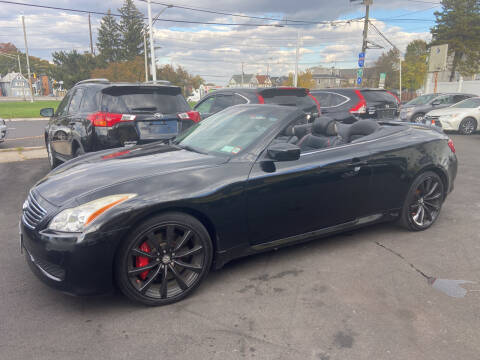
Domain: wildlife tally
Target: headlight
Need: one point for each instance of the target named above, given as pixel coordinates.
(449, 116)
(76, 219)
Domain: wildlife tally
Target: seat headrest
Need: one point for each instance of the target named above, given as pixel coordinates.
(363, 127)
(324, 125)
(288, 131)
(301, 130)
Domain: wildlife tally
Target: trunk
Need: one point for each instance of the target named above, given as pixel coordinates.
(456, 59)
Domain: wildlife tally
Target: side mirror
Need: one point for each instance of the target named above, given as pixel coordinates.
(47, 112)
(284, 152)
(436, 102)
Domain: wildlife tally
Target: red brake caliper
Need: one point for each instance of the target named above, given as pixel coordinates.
(143, 260)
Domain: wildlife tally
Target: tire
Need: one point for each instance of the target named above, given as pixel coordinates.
(467, 126)
(78, 152)
(423, 202)
(175, 254)
(418, 118)
(52, 159)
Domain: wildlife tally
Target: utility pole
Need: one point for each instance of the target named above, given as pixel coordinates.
(400, 75)
(28, 61)
(295, 79)
(20, 70)
(152, 46)
(145, 53)
(367, 4)
(90, 29)
(242, 74)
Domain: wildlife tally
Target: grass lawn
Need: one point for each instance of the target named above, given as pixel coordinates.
(24, 109)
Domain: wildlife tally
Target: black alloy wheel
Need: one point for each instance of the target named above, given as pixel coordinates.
(424, 202)
(467, 126)
(164, 259)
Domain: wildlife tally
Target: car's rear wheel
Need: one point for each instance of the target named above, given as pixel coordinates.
(418, 118)
(164, 259)
(423, 202)
(52, 159)
(467, 126)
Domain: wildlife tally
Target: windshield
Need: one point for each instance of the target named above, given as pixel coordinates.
(467, 104)
(422, 100)
(232, 130)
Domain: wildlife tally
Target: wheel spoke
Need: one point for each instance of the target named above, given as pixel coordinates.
(139, 252)
(417, 214)
(182, 241)
(163, 287)
(146, 285)
(431, 189)
(195, 250)
(422, 215)
(139, 270)
(428, 213)
(432, 205)
(433, 196)
(193, 267)
(178, 278)
(170, 234)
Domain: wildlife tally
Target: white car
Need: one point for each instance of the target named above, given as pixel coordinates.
(463, 116)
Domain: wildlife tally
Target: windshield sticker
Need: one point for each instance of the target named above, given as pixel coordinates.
(236, 150)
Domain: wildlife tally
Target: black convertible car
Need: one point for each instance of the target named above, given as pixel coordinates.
(155, 218)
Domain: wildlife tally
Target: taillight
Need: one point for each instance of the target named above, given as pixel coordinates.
(361, 107)
(261, 100)
(115, 154)
(190, 115)
(316, 102)
(451, 146)
(105, 119)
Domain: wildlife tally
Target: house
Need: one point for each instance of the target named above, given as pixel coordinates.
(15, 85)
(264, 81)
(332, 77)
(278, 80)
(245, 80)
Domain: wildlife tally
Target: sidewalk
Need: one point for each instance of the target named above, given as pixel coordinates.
(21, 154)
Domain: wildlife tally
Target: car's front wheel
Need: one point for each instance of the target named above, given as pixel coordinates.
(467, 126)
(164, 259)
(423, 202)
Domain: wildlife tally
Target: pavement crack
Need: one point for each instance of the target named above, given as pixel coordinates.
(429, 278)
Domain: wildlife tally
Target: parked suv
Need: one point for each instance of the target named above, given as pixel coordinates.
(415, 110)
(223, 98)
(97, 114)
(346, 105)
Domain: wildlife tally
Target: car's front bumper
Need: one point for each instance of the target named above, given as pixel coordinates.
(73, 263)
(449, 125)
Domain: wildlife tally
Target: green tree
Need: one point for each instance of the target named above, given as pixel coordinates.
(387, 63)
(109, 39)
(304, 80)
(37, 65)
(72, 67)
(414, 67)
(458, 25)
(131, 25)
(130, 71)
(180, 77)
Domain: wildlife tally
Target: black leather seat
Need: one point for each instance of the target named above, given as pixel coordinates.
(324, 134)
(359, 129)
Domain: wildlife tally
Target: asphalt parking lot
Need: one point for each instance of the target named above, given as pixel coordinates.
(378, 293)
(24, 133)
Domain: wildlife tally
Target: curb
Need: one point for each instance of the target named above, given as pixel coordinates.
(22, 149)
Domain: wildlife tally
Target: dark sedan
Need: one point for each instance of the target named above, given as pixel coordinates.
(156, 218)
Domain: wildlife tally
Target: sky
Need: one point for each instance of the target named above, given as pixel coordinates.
(217, 51)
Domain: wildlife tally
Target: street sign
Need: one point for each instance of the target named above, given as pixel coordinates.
(438, 58)
(360, 73)
(359, 80)
(361, 55)
(361, 63)
(381, 82)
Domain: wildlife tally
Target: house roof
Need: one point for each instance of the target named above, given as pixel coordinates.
(10, 76)
(262, 79)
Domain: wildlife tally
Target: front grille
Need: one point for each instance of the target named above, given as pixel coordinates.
(433, 120)
(33, 212)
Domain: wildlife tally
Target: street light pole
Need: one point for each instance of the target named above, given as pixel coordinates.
(295, 80)
(152, 46)
(28, 61)
(145, 53)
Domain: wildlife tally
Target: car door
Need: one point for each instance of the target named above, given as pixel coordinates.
(205, 107)
(67, 124)
(323, 189)
(56, 130)
(442, 102)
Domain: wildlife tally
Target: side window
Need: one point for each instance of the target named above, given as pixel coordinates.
(238, 99)
(458, 98)
(75, 102)
(330, 99)
(222, 102)
(62, 107)
(205, 107)
(444, 100)
(90, 101)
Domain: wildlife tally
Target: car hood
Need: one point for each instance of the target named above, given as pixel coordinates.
(447, 111)
(104, 169)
